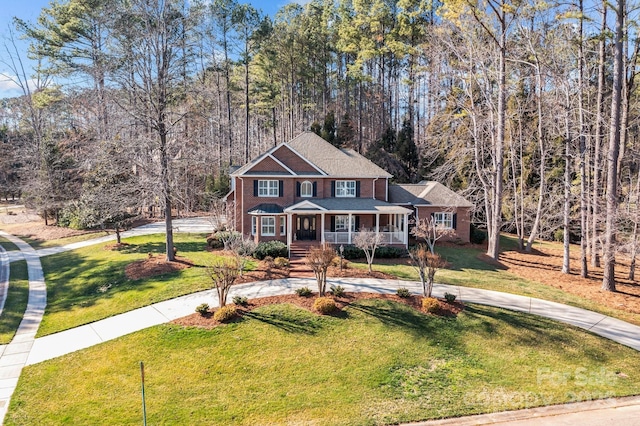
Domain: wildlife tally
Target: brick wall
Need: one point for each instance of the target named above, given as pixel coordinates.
(463, 221)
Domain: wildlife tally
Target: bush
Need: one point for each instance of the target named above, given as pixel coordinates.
(203, 309)
(226, 313)
(337, 290)
(430, 304)
(450, 298)
(240, 300)
(558, 235)
(304, 292)
(269, 261)
(271, 248)
(403, 292)
(382, 252)
(325, 305)
(281, 262)
(477, 236)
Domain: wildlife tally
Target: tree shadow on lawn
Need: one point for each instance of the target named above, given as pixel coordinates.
(530, 330)
(292, 322)
(104, 279)
(158, 247)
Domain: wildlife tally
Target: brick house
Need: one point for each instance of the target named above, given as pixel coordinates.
(308, 190)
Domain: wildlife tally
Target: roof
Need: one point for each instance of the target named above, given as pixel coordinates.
(334, 161)
(426, 193)
(347, 205)
(322, 155)
(266, 208)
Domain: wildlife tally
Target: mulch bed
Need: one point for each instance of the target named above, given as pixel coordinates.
(196, 320)
(155, 265)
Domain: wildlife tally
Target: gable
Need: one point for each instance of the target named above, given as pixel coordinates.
(294, 161)
(267, 165)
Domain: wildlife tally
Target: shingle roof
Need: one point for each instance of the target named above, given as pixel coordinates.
(361, 205)
(266, 208)
(426, 192)
(334, 161)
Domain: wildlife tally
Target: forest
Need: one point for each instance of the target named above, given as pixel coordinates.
(527, 108)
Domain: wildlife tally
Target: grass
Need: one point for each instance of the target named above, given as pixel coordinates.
(467, 270)
(90, 284)
(8, 245)
(378, 362)
(16, 302)
(40, 244)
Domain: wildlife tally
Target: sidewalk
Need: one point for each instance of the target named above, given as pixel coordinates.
(14, 355)
(59, 344)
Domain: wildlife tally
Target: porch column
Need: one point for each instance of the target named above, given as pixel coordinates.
(405, 230)
(350, 219)
(289, 229)
(377, 223)
(322, 228)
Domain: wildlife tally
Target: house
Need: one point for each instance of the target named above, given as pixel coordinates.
(308, 190)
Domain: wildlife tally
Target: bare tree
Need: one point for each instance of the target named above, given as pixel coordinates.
(319, 259)
(427, 264)
(430, 231)
(368, 241)
(242, 248)
(223, 274)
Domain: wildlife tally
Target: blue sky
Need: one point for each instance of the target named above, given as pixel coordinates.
(29, 10)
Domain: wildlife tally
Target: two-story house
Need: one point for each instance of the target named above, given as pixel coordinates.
(307, 189)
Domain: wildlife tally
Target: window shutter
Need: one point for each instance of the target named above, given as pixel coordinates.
(357, 223)
(315, 189)
(357, 188)
(333, 188)
(281, 188)
(297, 189)
(333, 224)
(255, 188)
(455, 221)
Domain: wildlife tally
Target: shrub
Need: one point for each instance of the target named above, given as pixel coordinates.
(558, 235)
(226, 313)
(269, 261)
(382, 252)
(304, 292)
(337, 290)
(450, 298)
(281, 262)
(430, 304)
(240, 300)
(213, 241)
(325, 305)
(477, 236)
(202, 309)
(403, 292)
(271, 248)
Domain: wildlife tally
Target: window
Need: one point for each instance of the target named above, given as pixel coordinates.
(254, 225)
(306, 189)
(268, 188)
(283, 222)
(443, 220)
(342, 224)
(345, 188)
(268, 226)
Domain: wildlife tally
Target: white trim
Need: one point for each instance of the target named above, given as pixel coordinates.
(241, 207)
(302, 205)
(269, 188)
(346, 189)
(282, 164)
(322, 218)
(262, 225)
(307, 161)
(310, 195)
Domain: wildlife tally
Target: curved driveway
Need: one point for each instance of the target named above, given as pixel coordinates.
(26, 350)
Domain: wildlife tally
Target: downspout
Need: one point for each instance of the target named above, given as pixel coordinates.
(242, 208)
(374, 188)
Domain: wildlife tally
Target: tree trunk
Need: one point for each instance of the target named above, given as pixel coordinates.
(608, 280)
(566, 258)
(584, 272)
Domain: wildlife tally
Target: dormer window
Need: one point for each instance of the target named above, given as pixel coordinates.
(345, 188)
(306, 189)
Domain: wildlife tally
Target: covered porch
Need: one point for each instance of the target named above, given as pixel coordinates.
(337, 221)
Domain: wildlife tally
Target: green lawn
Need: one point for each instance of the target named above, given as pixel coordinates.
(16, 302)
(467, 270)
(8, 245)
(39, 244)
(90, 284)
(378, 362)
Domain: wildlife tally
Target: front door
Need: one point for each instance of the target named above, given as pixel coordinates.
(306, 227)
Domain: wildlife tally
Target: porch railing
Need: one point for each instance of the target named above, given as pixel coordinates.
(343, 237)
